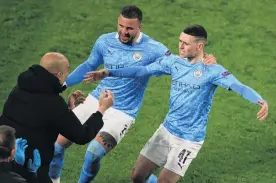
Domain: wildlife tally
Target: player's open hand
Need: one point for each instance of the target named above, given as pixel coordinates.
(75, 98)
(209, 59)
(95, 75)
(106, 100)
(262, 114)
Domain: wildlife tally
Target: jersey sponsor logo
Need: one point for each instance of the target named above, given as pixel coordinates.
(113, 66)
(168, 53)
(226, 73)
(186, 87)
(137, 56)
(198, 73)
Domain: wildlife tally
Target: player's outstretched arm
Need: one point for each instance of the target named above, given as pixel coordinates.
(78, 74)
(94, 60)
(130, 72)
(160, 67)
(225, 79)
(251, 95)
(95, 75)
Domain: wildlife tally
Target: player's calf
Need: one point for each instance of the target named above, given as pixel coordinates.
(91, 166)
(97, 149)
(57, 162)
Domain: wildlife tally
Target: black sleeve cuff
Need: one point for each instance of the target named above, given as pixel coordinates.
(99, 114)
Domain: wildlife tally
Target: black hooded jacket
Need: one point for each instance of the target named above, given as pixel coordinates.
(8, 176)
(38, 113)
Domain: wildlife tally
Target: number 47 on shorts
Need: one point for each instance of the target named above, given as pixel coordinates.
(182, 157)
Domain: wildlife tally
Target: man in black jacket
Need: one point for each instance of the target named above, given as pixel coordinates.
(38, 113)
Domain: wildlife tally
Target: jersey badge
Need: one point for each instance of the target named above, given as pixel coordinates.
(137, 56)
(198, 73)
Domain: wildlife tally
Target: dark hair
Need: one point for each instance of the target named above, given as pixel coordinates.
(7, 141)
(196, 30)
(132, 12)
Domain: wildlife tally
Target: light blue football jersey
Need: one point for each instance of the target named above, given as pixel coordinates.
(108, 50)
(192, 90)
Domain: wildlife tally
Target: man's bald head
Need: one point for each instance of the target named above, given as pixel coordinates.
(57, 64)
(54, 62)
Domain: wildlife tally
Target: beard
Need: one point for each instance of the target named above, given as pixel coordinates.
(130, 39)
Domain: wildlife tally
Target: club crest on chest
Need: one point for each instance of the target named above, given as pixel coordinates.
(198, 73)
(137, 56)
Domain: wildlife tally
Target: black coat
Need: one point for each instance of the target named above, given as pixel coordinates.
(8, 176)
(38, 113)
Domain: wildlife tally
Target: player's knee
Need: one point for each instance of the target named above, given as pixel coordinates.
(64, 142)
